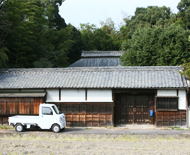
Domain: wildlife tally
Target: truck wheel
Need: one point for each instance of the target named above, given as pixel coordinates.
(56, 128)
(19, 128)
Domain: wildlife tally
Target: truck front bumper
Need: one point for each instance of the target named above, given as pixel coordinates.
(62, 125)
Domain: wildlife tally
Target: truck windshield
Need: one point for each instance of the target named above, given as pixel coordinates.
(56, 110)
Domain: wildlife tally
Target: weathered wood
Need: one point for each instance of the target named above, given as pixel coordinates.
(171, 118)
(87, 113)
(133, 108)
(17, 106)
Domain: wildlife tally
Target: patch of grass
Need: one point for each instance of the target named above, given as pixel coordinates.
(171, 138)
(5, 127)
(88, 128)
(109, 127)
(177, 128)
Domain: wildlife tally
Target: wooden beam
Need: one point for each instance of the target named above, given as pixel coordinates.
(59, 94)
(85, 94)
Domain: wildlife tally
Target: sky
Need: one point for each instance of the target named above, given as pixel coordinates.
(95, 11)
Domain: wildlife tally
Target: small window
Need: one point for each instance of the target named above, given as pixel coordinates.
(46, 111)
(56, 110)
(167, 104)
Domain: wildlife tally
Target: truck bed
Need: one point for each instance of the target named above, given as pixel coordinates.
(24, 119)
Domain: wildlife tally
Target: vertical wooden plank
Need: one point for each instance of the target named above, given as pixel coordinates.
(85, 119)
(180, 117)
(113, 114)
(98, 119)
(20, 106)
(31, 106)
(3, 106)
(168, 118)
(59, 94)
(92, 120)
(86, 95)
(1, 120)
(174, 119)
(34, 105)
(72, 119)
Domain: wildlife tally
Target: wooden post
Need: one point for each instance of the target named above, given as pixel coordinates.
(113, 106)
(59, 94)
(174, 118)
(180, 118)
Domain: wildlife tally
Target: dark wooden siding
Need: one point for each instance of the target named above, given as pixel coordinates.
(18, 106)
(87, 114)
(171, 118)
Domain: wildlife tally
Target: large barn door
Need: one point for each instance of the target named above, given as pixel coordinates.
(127, 105)
(132, 109)
(141, 115)
(124, 109)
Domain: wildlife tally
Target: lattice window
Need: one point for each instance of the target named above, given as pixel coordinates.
(167, 103)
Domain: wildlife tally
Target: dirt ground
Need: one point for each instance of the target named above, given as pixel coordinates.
(54, 145)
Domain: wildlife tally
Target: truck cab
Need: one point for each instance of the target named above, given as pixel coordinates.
(49, 118)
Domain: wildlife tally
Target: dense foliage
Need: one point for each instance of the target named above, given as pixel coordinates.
(33, 34)
(157, 37)
(157, 46)
(106, 38)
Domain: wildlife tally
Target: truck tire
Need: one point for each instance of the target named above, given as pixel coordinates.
(56, 128)
(19, 127)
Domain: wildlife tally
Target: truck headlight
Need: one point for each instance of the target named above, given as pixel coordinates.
(60, 119)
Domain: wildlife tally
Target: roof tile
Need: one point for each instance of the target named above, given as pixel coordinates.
(93, 77)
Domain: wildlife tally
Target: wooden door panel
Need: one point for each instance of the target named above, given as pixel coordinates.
(131, 109)
(127, 104)
(117, 109)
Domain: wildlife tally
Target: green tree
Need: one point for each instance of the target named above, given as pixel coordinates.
(39, 36)
(62, 47)
(105, 38)
(148, 17)
(183, 17)
(88, 35)
(4, 30)
(156, 46)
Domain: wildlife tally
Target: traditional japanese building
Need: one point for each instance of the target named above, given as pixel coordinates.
(98, 96)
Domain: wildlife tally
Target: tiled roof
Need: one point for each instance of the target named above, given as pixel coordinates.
(101, 53)
(96, 62)
(93, 77)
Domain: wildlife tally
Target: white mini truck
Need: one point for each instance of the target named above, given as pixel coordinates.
(49, 118)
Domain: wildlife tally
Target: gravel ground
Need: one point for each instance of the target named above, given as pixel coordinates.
(129, 144)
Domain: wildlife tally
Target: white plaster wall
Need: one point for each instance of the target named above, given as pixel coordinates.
(73, 95)
(52, 95)
(182, 100)
(166, 92)
(99, 95)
